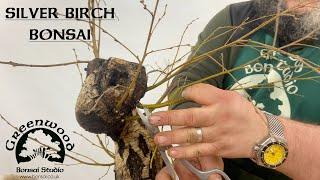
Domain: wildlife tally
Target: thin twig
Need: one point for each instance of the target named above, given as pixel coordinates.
(105, 173)
(160, 19)
(178, 49)
(203, 56)
(104, 147)
(78, 67)
(87, 139)
(110, 35)
(145, 7)
(276, 28)
(169, 48)
(132, 85)
(15, 64)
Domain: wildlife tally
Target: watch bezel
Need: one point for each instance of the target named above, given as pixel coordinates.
(269, 142)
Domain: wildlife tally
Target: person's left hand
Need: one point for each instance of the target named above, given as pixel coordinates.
(230, 125)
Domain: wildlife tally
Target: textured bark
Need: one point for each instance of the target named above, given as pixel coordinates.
(105, 84)
(133, 154)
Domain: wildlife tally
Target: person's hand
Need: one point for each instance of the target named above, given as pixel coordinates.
(202, 163)
(229, 123)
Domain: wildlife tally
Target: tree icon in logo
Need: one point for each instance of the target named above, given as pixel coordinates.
(52, 147)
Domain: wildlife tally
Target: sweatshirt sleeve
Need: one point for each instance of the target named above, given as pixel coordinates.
(219, 24)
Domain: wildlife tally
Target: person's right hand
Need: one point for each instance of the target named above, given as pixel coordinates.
(203, 163)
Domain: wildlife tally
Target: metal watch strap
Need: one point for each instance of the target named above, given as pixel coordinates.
(276, 128)
(275, 136)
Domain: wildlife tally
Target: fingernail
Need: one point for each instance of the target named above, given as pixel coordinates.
(155, 120)
(173, 153)
(183, 93)
(161, 139)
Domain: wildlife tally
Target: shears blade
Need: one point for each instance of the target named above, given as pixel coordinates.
(153, 131)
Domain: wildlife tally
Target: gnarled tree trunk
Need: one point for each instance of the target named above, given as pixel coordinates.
(105, 85)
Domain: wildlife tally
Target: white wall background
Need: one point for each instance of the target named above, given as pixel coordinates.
(33, 93)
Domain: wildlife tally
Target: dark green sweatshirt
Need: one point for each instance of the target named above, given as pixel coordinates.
(295, 93)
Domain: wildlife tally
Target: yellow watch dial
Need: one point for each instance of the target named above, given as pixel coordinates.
(274, 155)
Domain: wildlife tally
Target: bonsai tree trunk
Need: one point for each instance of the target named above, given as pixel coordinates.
(134, 150)
(96, 111)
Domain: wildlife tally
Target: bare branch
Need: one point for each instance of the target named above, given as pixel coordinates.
(15, 64)
(109, 34)
(78, 67)
(160, 18)
(104, 147)
(132, 85)
(276, 28)
(145, 7)
(169, 48)
(87, 139)
(84, 156)
(74, 164)
(104, 174)
(92, 22)
(203, 56)
(156, 71)
(178, 49)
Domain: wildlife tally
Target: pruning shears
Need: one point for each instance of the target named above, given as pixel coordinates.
(202, 175)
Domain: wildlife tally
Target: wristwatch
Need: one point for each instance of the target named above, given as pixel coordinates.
(272, 151)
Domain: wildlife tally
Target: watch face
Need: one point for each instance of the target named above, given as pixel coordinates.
(274, 154)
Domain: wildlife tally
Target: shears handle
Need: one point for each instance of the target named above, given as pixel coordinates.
(168, 163)
(204, 175)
